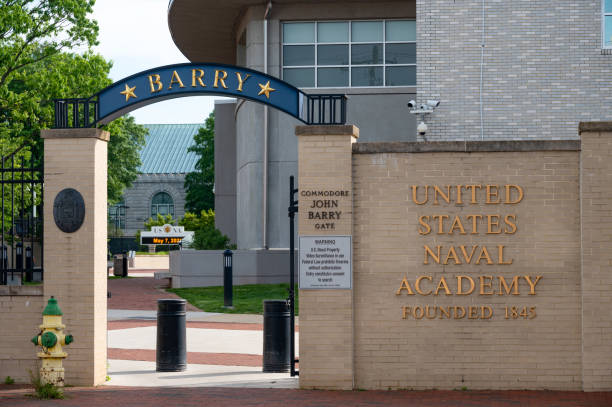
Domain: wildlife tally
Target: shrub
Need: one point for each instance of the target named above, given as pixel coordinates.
(206, 236)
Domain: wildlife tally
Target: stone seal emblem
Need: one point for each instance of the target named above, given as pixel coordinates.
(69, 210)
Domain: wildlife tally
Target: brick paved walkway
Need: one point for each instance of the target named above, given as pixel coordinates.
(139, 293)
(222, 397)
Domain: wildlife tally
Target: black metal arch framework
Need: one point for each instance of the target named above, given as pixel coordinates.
(325, 109)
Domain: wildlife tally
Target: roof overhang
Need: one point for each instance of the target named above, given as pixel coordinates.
(205, 30)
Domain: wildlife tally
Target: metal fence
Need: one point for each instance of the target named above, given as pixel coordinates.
(21, 242)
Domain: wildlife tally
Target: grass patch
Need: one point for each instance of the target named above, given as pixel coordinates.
(44, 391)
(118, 277)
(248, 299)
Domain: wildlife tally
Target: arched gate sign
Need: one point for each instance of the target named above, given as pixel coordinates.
(191, 79)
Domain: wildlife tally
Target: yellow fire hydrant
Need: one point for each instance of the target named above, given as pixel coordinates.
(52, 338)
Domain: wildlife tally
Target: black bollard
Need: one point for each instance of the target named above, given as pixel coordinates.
(277, 332)
(124, 264)
(228, 283)
(171, 336)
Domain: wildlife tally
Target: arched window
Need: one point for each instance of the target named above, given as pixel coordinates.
(163, 204)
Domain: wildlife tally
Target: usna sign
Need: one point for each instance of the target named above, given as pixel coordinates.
(166, 235)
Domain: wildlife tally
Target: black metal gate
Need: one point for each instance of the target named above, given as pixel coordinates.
(21, 235)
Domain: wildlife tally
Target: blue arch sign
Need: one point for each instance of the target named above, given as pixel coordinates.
(181, 80)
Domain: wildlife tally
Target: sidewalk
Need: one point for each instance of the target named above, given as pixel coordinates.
(224, 397)
(222, 349)
(224, 369)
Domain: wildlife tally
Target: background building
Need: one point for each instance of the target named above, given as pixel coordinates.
(526, 69)
(159, 187)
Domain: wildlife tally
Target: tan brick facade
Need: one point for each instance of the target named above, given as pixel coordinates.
(422, 353)
(326, 317)
(596, 205)
(21, 314)
(536, 319)
(75, 263)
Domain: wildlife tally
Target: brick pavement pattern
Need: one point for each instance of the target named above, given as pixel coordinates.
(234, 326)
(198, 358)
(222, 397)
(139, 293)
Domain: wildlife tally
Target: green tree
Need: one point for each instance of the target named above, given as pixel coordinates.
(199, 184)
(31, 33)
(127, 138)
(35, 69)
(206, 236)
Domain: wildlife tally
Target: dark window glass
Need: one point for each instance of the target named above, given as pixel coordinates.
(366, 54)
(332, 55)
(298, 55)
(400, 54)
(332, 77)
(401, 76)
(300, 77)
(367, 76)
(163, 204)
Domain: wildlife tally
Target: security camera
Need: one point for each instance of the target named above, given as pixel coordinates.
(433, 103)
(422, 128)
(412, 104)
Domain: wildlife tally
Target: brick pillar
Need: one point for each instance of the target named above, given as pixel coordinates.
(326, 316)
(596, 220)
(75, 263)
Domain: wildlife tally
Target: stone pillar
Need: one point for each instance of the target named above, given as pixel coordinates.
(75, 263)
(596, 222)
(326, 316)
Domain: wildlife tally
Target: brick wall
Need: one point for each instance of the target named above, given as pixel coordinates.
(75, 263)
(544, 70)
(20, 315)
(494, 353)
(326, 316)
(596, 194)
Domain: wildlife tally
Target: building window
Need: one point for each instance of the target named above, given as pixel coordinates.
(116, 215)
(342, 54)
(162, 204)
(607, 23)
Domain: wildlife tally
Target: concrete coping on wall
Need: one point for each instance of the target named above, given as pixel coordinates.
(328, 130)
(595, 127)
(467, 146)
(75, 133)
(21, 290)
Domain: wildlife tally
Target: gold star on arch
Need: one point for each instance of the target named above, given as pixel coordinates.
(129, 92)
(265, 89)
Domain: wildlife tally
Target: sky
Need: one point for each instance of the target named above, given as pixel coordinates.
(134, 35)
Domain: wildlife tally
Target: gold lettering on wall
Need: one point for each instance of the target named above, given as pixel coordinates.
(175, 79)
(241, 81)
(197, 75)
(220, 77)
(155, 82)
